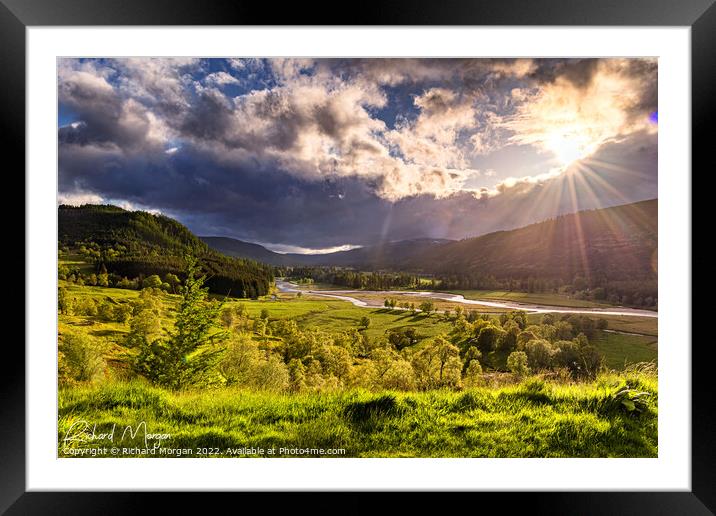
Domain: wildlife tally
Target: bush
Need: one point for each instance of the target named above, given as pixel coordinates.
(517, 363)
(85, 306)
(296, 375)
(271, 374)
(80, 358)
(539, 354)
(400, 376)
(122, 312)
(106, 311)
(239, 361)
(473, 374)
(152, 281)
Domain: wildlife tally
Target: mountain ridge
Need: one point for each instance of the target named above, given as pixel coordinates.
(618, 242)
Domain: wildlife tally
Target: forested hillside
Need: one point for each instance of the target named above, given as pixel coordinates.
(611, 244)
(137, 244)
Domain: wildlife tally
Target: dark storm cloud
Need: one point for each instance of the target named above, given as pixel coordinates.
(268, 205)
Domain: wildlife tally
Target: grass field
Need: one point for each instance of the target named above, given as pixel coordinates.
(620, 349)
(532, 419)
(440, 305)
(537, 298)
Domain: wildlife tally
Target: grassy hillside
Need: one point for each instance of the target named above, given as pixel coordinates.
(531, 419)
(137, 244)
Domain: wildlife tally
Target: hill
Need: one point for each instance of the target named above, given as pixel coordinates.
(137, 244)
(240, 249)
(603, 245)
(610, 244)
(389, 255)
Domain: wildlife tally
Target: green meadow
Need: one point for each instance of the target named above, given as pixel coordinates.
(537, 298)
(534, 418)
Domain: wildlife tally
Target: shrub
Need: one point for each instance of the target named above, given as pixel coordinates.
(239, 361)
(152, 281)
(85, 306)
(399, 376)
(539, 354)
(473, 374)
(64, 304)
(80, 358)
(271, 374)
(106, 311)
(517, 363)
(296, 375)
(122, 312)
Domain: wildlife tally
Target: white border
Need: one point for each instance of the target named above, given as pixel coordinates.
(670, 471)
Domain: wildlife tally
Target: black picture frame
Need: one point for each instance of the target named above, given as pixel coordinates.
(699, 15)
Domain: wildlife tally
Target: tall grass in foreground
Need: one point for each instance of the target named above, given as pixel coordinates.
(613, 416)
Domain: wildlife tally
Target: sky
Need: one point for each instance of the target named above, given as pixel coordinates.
(315, 155)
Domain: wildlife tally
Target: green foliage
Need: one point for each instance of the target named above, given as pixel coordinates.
(473, 373)
(489, 338)
(517, 363)
(427, 307)
(540, 354)
(80, 358)
(403, 337)
(629, 400)
(437, 364)
(186, 355)
(296, 375)
(64, 303)
(153, 281)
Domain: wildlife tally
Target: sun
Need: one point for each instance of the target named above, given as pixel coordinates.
(568, 148)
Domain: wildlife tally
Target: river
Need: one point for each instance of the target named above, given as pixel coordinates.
(285, 286)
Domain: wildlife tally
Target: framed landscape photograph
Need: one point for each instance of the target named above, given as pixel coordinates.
(415, 258)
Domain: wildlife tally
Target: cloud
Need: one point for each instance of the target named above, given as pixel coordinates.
(587, 104)
(220, 79)
(324, 153)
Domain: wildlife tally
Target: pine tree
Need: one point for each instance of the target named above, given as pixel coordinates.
(188, 352)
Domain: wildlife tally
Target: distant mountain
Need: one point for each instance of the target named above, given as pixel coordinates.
(137, 243)
(389, 255)
(241, 249)
(384, 256)
(618, 243)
